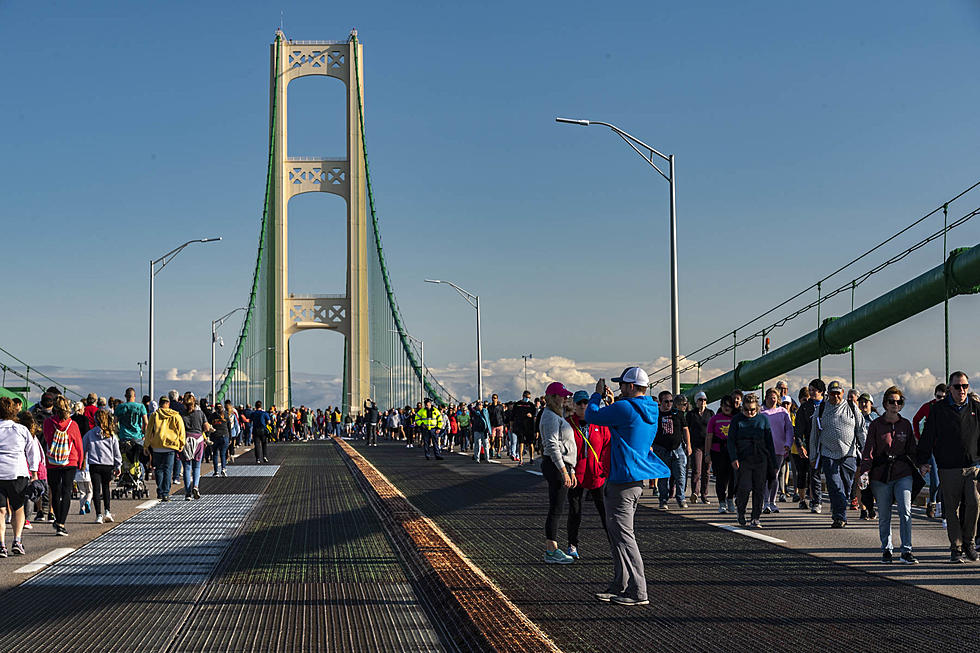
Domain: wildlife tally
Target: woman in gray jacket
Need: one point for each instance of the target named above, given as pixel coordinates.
(104, 461)
(557, 466)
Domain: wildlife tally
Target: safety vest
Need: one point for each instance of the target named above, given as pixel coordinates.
(430, 418)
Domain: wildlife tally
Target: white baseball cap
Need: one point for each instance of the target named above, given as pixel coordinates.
(700, 395)
(634, 375)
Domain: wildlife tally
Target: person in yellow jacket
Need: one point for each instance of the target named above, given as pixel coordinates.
(431, 420)
(165, 436)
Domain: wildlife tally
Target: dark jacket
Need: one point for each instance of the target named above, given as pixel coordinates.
(496, 413)
(801, 430)
(951, 434)
(698, 426)
(670, 430)
(750, 439)
(522, 416)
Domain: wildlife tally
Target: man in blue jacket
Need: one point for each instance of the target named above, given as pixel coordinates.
(632, 422)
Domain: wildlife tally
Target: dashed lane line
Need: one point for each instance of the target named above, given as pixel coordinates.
(747, 533)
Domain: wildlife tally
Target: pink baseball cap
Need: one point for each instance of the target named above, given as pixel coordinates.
(559, 389)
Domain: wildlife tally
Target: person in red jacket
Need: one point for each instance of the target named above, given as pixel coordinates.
(591, 468)
(62, 464)
(917, 422)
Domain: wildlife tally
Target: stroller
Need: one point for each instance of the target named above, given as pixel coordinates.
(130, 482)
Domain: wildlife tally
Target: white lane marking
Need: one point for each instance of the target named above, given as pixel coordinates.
(531, 471)
(747, 533)
(48, 558)
(148, 504)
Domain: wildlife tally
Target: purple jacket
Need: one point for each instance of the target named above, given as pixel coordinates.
(782, 428)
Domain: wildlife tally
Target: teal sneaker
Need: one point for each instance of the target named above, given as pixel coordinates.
(558, 557)
(572, 552)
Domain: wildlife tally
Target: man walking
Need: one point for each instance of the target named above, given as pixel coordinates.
(672, 445)
(697, 427)
(952, 435)
(522, 422)
(260, 432)
(835, 438)
(801, 436)
(632, 423)
(497, 421)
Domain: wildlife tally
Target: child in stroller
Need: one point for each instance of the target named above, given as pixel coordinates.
(130, 481)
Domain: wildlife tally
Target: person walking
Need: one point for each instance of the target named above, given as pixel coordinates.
(480, 421)
(888, 463)
(716, 445)
(700, 460)
(750, 448)
(165, 436)
(430, 419)
(220, 437)
(672, 445)
(65, 456)
(939, 394)
(866, 493)
(591, 469)
(195, 427)
(371, 417)
(632, 423)
(950, 437)
(835, 438)
(557, 466)
(497, 421)
(19, 460)
(261, 428)
(781, 426)
(522, 422)
(801, 436)
(104, 460)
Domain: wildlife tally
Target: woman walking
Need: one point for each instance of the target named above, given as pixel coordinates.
(104, 458)
(888, 460)
(195, 426)
(750, 448)
(65, 457)
(18, 466)
(591, 468)
(557, 466)
(715, 443)
(220, 436)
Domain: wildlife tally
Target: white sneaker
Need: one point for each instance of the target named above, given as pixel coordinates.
(98, 520)
(722, 509)
(108, 517)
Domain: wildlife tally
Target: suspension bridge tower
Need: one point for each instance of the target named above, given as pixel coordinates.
(286, 313)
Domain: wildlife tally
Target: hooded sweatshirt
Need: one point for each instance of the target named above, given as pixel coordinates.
(165, 430)
(632, 426)
(76, 454)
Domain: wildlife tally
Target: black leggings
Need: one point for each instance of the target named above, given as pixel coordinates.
(557, 495)
(259, 443)
(724, 474)
(101, 475)
(575, 510)
(60, 479)
(801, 472)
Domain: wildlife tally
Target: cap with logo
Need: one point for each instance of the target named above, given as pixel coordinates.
(835, 386)
(580, 395)
(786, 400)
(866, 396)
(634, 375)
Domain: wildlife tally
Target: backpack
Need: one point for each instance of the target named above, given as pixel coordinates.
(59, 451)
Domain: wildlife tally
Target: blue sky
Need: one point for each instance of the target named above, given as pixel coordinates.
(804, 133)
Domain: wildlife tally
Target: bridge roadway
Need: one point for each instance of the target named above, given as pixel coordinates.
(326, 554)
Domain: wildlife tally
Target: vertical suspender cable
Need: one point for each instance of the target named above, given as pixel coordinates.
(946, 296)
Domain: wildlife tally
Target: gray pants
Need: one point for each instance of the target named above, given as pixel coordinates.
(960, 505)
(621, 502)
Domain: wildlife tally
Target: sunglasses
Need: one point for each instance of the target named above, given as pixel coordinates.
(667, 401)
(960, 386)
(895, 402)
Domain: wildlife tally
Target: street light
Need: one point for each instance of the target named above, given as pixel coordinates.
(389, 368)
(421, 362)
(474, 301)
(248, 363)
(140, 365)
(526, 357)
(215, 325)
(163, 260)
(633, 142)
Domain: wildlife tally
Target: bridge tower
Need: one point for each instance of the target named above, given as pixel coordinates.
(287, 313)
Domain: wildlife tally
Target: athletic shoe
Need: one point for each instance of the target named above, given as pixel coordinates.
(108, 517)
(62, 531)
(682, 504)
(864, 514)
(27, 524)
(187, 497)
(755, 524)
(803, 504)
(99, 519)
(224, 473)
(694, 497)
(731, 505)
(625, 600)
(767, 510)
(558, 557)
(214, 473)
(970, 551)
(908, 558)
(705, 500)
(930, 510)
(265, 460)
(872, 514)
(606, 597)
(886, 557)
(166, 498)
(838, 523)
(774, 507)
(3, 552)
(664, 506)
(782, 498)
(88, 507)
(816, 509)
(722, 509)
(18, 548)
(50, 517)
(81, 511)
(573, 551)
(741, 520)
(956, 557)
(197, 493)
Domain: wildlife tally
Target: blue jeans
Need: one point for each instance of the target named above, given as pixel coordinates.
(192, 474)
(220, 453)
(899, 490)
(430, 440)
(163, 463)
(512, 445)
(676, 460)
(933, 481)
(839, 475)
(480, 440)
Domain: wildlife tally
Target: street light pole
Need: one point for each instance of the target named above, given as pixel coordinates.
(474, 301)
(140, 365)
(215, 325)
(636, 144)
(163, 260)
(526, 357)
(249, 362)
